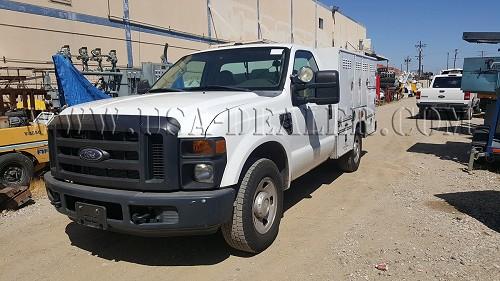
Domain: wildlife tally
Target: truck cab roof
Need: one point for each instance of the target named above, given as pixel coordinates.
(449, 75)
(452, 71)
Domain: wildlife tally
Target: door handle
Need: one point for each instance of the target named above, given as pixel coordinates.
(330, 112)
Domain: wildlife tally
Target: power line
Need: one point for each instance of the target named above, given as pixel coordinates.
(94, 36)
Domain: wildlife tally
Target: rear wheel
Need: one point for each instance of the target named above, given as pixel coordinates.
(422, 112)
(467, 115)
(257, 210)
(477, 109)
(15, 170)
(350, 162)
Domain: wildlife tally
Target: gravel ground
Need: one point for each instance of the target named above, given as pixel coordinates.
(410, 211)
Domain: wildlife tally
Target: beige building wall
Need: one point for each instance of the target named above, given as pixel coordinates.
(35, 31)
(276, 20)
(347, 32)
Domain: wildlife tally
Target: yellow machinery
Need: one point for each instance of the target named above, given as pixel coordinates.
(23, 150)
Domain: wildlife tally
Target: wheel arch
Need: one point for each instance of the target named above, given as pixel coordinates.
(275, 152)
(361, 127)
(271, 149)
(25, 153)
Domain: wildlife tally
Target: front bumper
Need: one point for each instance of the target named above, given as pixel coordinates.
(190, 212)
(443, 106)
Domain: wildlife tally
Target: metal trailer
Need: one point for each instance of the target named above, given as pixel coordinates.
(482, 75)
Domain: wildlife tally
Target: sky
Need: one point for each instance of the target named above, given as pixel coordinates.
(395, 27)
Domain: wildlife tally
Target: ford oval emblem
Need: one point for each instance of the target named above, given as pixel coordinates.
(92, 154)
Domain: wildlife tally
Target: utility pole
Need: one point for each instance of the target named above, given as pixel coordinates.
(420, 48)
(455, 59)
(407, 62)
(482, 53)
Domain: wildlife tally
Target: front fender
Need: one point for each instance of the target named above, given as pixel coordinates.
(239, 149)
(244, 130)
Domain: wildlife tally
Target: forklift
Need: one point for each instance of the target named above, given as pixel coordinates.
(482, 75)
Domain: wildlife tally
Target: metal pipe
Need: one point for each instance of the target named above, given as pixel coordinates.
(315, 23)
(259, 31)
(209, 20)
(104, 73)
(175, 32)
(291, 22)
(128, 33)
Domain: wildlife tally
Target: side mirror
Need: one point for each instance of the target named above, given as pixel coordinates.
(327, 87)
(143, 87)
(326, 84)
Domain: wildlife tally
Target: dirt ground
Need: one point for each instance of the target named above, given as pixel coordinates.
(410, 206)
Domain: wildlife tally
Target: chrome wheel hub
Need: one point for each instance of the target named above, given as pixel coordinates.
(356, 150)
(264, 205)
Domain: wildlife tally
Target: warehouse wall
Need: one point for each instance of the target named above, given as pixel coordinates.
(36, 29)
(347, 32)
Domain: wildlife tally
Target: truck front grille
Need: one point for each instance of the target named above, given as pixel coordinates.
(157, 157)
(134, 160)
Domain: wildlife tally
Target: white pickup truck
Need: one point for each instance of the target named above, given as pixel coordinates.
(445, 94)
(214, 143)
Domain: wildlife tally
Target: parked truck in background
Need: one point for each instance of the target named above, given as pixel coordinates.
(214, 143)
(445, 94)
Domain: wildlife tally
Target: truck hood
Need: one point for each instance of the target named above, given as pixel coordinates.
(191, 109)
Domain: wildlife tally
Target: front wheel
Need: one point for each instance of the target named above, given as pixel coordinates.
(350, 162)
(258, 209)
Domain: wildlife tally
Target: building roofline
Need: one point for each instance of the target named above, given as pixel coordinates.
(332, 9)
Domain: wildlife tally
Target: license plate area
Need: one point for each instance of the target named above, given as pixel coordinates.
(91, 215)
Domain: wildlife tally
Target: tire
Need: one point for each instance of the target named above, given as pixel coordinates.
(467, 115)
(15, 170)
(477, 109)
(349, 163)
(248, 230)
(422, 113)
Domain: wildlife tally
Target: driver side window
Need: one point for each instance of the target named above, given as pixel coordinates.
(304, 58)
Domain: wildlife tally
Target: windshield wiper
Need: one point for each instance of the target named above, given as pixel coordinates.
(158, 90)
(218, 87)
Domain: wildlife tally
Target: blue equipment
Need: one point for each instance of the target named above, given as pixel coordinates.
(482, 75)
(73, 87)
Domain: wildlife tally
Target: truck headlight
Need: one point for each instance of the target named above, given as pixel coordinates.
(204, 173)
(207, 147)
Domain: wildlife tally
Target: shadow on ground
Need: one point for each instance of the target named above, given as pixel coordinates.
(453, 151)
(464, 128)
(444, 115)
(305, 186)
(484, 206)
(184, 251)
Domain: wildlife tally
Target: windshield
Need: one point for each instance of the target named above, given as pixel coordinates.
(257, 68)
(447, 82)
